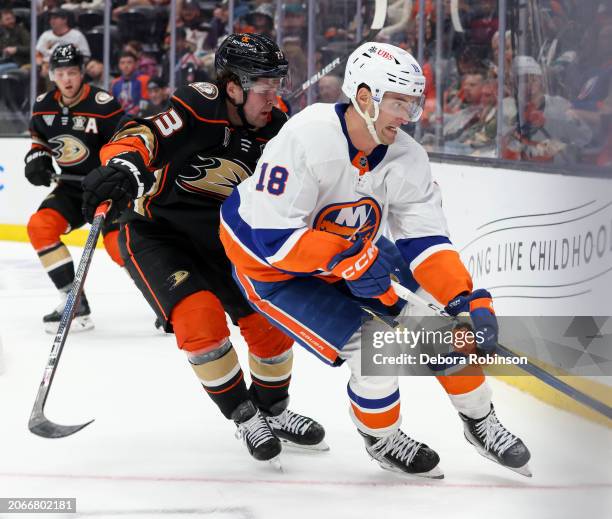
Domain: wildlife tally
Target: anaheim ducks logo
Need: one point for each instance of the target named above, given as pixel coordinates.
(176, 278)
(68, 150)
(213, 177)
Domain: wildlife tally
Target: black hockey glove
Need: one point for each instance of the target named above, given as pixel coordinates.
(39, 167)
(124, 178)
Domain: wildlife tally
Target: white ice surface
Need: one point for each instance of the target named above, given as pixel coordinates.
(160, 447)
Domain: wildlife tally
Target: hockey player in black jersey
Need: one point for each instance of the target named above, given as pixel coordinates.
(175, 169)
(69, 123)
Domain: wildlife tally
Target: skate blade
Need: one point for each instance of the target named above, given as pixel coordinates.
(319, 447)
(79, 324)
(275, 462)
(435, 473)
(523, 471)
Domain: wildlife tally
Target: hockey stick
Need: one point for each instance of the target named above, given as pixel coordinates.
(67, 177)
(532, 369)
(378, 22)
(39, 424)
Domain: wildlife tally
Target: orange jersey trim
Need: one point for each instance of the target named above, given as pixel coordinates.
(142, 276)
(319, 345)
(112, 149)
(200, 118)
(443, 275)
(98, 115)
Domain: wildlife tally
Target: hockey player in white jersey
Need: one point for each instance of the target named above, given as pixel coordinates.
(302, 234)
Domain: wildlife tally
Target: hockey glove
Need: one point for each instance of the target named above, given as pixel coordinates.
(479, 306)
(366, 272)
(39, 167)
(124, 178)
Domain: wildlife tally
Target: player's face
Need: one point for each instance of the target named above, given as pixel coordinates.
(261, 99)
(395, 110)
(68, 80)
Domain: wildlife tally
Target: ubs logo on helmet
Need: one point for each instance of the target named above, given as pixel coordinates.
(350, 219)
(69, 150)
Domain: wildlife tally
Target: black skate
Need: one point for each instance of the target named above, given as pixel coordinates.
(253, 429)
(493, 441)
(298, 431)
(400, 453)
(82, 316)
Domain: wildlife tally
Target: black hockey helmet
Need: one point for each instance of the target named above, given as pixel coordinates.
(66, 55)
(249, 57)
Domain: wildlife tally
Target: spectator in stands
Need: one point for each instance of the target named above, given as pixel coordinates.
(14, 42)
(187, 67)
(593, 105)
(262, 20)
(493, 63)
(130, 89)
(77, 4)
(135, 3)
(218, 26)
(294, 21)
(330, 89)
(190, 19)
(158, 97)
(94, 71)
(60, 32)
(544, 127)
(470, 109)
(146, 63)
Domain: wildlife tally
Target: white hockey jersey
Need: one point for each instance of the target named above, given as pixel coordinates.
(313, 192)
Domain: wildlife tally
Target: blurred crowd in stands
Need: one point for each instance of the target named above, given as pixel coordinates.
(557, 88)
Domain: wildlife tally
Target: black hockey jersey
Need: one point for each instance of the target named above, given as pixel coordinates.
(196, 154)
(75, 134)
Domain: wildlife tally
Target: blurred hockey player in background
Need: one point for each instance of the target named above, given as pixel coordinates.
(69, 123)
(186, 161)
(303, 232)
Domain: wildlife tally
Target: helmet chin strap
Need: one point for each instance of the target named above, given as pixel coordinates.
(368, 119)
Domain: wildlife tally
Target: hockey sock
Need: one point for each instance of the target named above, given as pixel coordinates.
(221, 376)
(59, 265)
(44, 229)
(270, 380)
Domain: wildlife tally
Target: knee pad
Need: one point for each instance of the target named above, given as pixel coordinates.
(263, 339)
(199, 323)
(45, 228)
(111, 244)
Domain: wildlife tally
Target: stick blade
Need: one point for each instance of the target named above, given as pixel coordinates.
(45, 428)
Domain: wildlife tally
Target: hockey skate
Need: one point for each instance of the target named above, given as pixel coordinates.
(253, 429)
(493, 441)
(400, 453)
(82, 316)
(298, 431)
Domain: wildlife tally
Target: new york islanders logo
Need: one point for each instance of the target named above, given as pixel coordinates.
(350, 219)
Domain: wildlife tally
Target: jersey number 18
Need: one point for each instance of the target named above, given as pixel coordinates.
(276, 180)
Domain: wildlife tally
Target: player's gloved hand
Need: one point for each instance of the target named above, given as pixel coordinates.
(39, 167)
(366, 272)
(121, 180)
(479, 306)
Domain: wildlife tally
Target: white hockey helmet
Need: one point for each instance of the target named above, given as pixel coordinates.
(384, 68)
